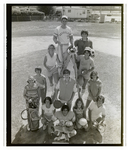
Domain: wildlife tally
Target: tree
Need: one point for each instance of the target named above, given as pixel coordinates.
(48, 10)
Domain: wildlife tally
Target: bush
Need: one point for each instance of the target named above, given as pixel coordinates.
(26, 13)
(16, 13)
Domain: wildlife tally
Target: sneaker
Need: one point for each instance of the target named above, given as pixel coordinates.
(59, 137)
(28, 127)
(44, 127)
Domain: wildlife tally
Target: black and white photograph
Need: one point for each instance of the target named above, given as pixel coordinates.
(65, 74)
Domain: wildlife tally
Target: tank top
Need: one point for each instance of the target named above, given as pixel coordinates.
(51, 61)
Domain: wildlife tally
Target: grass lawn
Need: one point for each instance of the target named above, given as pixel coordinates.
(40, 28)
(108, 67)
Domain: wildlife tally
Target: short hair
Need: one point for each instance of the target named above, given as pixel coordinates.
(51, 45)
(65, 107)
(66, 71)
(84, 31)
(94, 72)
(38, 68)
(31, 78)
(100, 96)
(48, 98)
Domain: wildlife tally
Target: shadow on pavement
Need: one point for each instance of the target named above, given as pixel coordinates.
(41, 137)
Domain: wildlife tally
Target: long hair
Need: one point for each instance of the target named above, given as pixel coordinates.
(94, 72)
(79, 99)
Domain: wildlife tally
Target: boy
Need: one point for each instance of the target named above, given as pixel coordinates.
(81, 44)
(41, 82)
(66, 88)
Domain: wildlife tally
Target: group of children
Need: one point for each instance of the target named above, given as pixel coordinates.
(81, 115)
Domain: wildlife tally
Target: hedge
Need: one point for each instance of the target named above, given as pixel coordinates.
(26, 13)
(27, 18)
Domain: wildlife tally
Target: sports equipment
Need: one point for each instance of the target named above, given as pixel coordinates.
(101, 126)
(24, 114)
(83, 122)
(84, 71)
(57, 104)
(92, 53)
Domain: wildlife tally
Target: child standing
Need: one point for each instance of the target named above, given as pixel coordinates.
(79, 113)
(94, 87)
(41, 82)
(86, 67)
(50, 63)
(31, 95)
(81, 44)
(48, 111)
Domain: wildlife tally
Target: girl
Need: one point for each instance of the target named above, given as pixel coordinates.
(48, 111)
(32, 96)
(79, 113)
(86, 66)
(50, 63)
(94, 88)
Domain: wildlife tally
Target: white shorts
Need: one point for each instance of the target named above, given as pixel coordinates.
(64, 49)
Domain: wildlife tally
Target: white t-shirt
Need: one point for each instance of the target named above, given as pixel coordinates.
(63, 35)
(48, 112)
(96, 111)
(51, 61)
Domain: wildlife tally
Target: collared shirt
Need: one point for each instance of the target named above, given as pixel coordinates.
(66, 89)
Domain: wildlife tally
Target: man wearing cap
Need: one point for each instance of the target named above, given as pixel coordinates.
(66, 88)
(63, 36)
(81, 44)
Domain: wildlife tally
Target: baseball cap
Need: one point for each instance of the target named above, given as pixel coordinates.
(64, 17)
(87, 49)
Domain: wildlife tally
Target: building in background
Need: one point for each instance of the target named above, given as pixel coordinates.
(74, 12)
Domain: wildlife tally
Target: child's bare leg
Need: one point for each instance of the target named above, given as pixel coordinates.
(51, 80)
(84, 86)
(56, 78)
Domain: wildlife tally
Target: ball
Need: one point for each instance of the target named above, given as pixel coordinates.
(83, 122)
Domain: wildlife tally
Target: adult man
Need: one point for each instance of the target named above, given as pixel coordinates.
(81, 44)
(96, 111)
(66, 88)
(63, 36)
